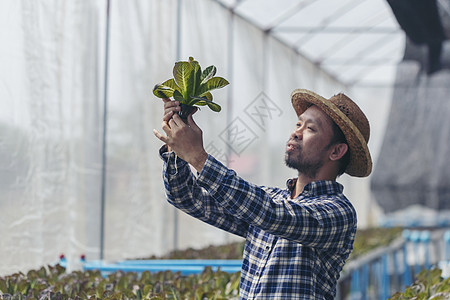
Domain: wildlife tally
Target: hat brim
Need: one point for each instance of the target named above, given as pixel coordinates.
(360, 160)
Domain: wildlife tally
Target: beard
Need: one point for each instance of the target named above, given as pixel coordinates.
(305, 166)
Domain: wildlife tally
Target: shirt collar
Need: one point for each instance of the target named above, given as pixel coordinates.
(317, 188)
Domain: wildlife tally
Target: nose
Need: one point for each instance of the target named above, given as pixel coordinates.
(296, 134)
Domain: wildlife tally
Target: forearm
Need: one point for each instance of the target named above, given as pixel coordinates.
(238, 197)
(184, 193)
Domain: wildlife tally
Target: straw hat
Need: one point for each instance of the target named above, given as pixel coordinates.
(352, 121)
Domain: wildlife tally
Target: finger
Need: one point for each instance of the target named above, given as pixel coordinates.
(171, 128)
(160, 136)
(191, 122)
(194, 111)
(171, 107)
(194, 125)
(168, 115)
(165, 100)
(177, 121)
(167, 129)
(171, 104)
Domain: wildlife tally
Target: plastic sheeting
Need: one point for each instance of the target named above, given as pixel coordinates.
(51, 122)
(413, 163)
(411, 181)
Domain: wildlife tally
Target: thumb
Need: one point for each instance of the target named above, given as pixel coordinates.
(191, 122)
(194, 111)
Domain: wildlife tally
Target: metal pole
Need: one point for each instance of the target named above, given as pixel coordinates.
(105, 118)
(178, 57)
(230, 76)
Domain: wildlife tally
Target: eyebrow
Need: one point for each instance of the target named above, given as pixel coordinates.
(309, 120)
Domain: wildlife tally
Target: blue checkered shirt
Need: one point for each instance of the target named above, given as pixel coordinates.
(295, 248)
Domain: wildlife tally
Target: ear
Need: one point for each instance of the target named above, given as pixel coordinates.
(338, 151)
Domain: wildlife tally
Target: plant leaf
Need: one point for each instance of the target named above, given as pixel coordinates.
(214, 106)
(202, 101)
(208, 73)
(190, 87)
(177, 96)
(196, 81)
(3, 286)
(208, 96)
(194, 64)
(195, 77)
(195, 101)
(189, 84)
(147, 290)
(23, 287)
(42, 272)
(213, 83)
(165, 89)
(182, 72)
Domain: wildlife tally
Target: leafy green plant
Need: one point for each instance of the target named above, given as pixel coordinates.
(54, 283)
(429, 285)
(369, 239)
(191, 86)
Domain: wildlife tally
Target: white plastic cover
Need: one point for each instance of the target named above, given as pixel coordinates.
(52, 58)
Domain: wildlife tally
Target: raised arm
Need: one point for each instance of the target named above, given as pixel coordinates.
(184, 144)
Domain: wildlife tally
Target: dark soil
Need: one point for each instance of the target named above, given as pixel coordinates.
(186, 110)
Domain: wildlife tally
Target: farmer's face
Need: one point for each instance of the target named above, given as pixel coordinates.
(308, 145)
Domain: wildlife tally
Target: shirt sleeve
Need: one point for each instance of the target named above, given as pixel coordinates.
(322, 223)
(184, 193)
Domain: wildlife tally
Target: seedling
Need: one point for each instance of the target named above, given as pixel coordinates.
(191, 86)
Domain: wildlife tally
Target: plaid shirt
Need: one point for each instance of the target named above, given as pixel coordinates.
(295, 248)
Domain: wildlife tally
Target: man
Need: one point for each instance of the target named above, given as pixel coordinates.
(297, 239)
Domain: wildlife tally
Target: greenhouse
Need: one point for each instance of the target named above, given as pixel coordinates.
(80, 167)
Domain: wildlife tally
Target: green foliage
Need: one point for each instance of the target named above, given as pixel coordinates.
(228, 251)
(429, 285)
(372, 238)
(190, 85)
(54, 283)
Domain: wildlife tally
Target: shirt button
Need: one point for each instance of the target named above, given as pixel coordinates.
(267, 248)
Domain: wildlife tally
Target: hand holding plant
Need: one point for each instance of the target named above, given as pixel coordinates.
(191, 86)
(183, 138)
